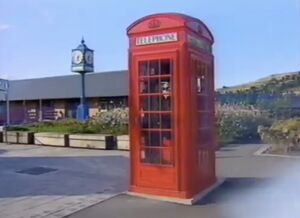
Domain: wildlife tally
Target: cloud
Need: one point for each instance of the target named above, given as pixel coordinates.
(4, 27)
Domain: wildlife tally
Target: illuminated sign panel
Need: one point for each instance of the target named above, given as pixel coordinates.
(156, 39)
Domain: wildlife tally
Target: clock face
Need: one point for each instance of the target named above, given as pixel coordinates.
(77, 57)
(89, 57)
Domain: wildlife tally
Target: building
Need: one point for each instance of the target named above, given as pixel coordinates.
(53, 98)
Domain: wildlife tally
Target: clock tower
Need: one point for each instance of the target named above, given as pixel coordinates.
(82, 63)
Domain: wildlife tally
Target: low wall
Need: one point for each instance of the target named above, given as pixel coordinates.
(123, 142)
(53, 139)
(92, 141)
(17, 137)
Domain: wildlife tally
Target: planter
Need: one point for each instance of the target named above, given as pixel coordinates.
(123, 142)
(92, 141)
(53, 139)
(18, 137)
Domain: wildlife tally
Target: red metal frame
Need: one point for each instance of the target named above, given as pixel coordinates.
(190, 152)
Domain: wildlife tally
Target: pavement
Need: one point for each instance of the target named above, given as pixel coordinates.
(37, 181)
(40, 181)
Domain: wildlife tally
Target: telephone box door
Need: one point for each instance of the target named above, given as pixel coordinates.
(154, 141)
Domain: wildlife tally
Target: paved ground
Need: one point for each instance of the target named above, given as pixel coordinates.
(40, 181)
(256, 187)
(54, 182)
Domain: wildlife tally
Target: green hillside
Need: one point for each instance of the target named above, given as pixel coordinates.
(275, 84)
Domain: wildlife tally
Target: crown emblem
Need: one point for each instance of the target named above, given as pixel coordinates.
(154, 23)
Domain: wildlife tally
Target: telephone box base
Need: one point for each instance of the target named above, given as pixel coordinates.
(176, 197)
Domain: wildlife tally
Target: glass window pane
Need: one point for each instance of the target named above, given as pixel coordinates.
(165, 86)
(166, 121)
(155, 103)
(144, 87)
(167, 155)
(154, 86)
(159, 155)
(151, 138)
(165, 65)
(165, 103)
(154, 68)
(151, 121)
(143, 68)
(151, 155)
(166, 139)
(203, 103)
(204, 120)
(205, 137)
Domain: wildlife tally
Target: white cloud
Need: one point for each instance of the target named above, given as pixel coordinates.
(4, 27)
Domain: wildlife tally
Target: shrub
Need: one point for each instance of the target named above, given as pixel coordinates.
(114, 122)
(236, 124)
(284, 135)
(109, 122)
(61, 126)
(239, 124)
(17, 128)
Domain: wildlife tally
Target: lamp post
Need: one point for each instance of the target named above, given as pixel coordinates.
(82, 63)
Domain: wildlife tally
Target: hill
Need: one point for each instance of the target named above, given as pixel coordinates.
(275, 83)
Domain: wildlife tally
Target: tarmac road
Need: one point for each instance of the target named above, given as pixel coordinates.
(256, 187)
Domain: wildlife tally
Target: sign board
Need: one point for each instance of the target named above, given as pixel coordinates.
(82, 68)
(199, 43)
(156, 39)
(3, 85)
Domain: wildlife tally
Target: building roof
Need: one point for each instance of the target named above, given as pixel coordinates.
(105, 84)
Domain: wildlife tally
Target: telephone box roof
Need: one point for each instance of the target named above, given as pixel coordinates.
(182, 20)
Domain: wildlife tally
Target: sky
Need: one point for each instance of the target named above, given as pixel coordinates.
(253, 38)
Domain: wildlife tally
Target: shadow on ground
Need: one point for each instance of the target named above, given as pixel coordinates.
(234, 187)
(35, 176)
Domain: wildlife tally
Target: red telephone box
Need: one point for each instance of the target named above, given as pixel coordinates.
(172, 127)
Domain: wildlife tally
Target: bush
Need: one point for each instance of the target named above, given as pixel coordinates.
(17, 128)
(61, 126)
(284, 135)
(111, 122)
(239, 124)
(236, 124)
